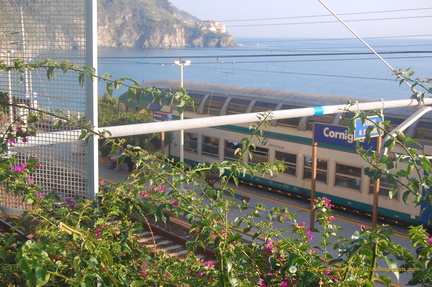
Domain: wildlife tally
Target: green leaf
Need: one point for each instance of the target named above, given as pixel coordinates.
(109, 88)
(385, 279)
(392, 264)
(42, 276)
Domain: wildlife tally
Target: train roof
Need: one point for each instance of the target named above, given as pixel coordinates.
(275, 96)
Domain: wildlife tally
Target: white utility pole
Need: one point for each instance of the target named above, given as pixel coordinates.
(181, 64)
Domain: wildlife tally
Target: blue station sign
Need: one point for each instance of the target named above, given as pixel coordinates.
(361, 127)
(159, 116)
(338, 135)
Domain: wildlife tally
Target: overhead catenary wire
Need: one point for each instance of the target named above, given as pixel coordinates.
(330, 21)
(326, 15)
(361, 40)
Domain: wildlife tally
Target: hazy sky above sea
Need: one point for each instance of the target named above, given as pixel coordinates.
(310, 19)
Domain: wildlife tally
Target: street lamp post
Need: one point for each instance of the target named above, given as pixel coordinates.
(181, 64)
(8, 55)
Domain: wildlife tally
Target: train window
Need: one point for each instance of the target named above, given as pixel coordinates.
(210, 146)
(213, 105)
(328, 119)
(197, 98)
(294, 122)
(423, 131)
(385, 188)
(263, 106)
(321, 169)
(348, 176)
(290, 161)
(237, 106)
(394, 122)
(259, 154)
(229, 150)
(345, 118)
(190, 142)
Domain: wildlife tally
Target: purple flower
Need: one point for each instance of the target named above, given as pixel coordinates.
(12, 140)
(24, 140)
(71, 203)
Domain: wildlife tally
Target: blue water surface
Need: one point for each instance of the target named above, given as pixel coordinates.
(339, 67)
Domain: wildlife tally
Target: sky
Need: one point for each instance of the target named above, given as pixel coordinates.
(307, 18)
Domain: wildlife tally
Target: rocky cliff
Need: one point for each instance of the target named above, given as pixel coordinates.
(155, 24)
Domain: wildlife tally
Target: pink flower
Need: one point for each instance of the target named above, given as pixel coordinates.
(209, 264)
(223, 232)
(19, 129)
(30, 180)
(12, 140)
(24, 140)
(174, 202)
(38, 194)
(307, 230)
(160, 188)
(283, 284)
(20, 168)
(214, 236)
(261, 283)
(429, 240)
(102, 182)
(98, 233)
(298, 225)
(200, 273)
(143, 273)
(269, 247)
(144, 194)
(37, 165)
(310, 236)
(331, 219)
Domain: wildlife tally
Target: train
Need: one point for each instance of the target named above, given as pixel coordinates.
(340, 175)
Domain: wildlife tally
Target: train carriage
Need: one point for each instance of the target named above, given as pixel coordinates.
(339, 170)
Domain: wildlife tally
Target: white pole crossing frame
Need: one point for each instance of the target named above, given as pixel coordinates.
(153, 127)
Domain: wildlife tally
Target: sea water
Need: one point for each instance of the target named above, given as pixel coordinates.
(339, 67)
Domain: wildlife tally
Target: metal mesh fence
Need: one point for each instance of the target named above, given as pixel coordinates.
(33, 31)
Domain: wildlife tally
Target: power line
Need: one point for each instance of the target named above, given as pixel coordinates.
(330, 21)
(325, 15)
(336, 39)
(263, 55)
(311, 74)
(168, 63)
